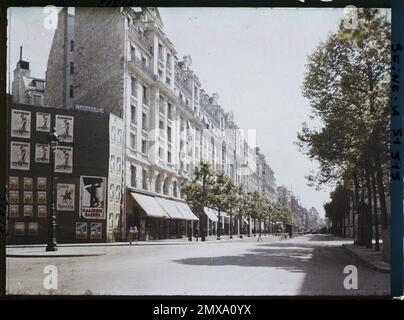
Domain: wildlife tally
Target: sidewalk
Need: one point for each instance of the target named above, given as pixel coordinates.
(370, 257)
(96, 249)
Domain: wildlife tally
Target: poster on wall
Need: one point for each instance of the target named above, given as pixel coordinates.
(65, 197)
(19, 228)
(42, 153)
(28, 197)
(13, 197)
(96, 230)
(81, 230)
(20, 124)
(92, 197)
(28, 183)
(41, 197)
(64, 128)
(41, 183)
(42, 211)
(33, 228)
(19, 155)
(28, 211)
(43, 121)
(13, 182)
(13, 213)
(64, 159)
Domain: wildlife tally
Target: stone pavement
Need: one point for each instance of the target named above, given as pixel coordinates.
(96, 249)
(370, 257)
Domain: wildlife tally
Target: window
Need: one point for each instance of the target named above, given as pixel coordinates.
(161, 124)
(71, 68)
(133, 141)
(119, 136)
(145, 96)
(160, 153)
(111, 192)
(71, 91)
(168, 60)
(144, 179)
(144, 121)
(169, 134)
(160, 52)
(144, 146)
(132, 53)
(133, 87)
(133, 114)
(170, 110)
(133, 176)
(169, 156)
(112, 163)
(160, 72)
(71, 45)
(168, 80)
(36, 100)
(118, 192)
(118, 164)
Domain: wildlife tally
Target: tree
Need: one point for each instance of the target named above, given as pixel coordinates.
(223, 197)
(348, 84)
(197, 192)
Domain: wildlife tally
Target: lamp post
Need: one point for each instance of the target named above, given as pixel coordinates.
(52, 244)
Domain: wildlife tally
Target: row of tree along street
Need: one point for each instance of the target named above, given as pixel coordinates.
(348, 85)
(217, 191)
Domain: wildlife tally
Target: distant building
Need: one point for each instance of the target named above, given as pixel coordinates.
(27, 89)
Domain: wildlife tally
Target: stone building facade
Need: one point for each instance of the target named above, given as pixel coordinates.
(124, 62)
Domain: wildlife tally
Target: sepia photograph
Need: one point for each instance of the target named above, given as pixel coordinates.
(175, 151)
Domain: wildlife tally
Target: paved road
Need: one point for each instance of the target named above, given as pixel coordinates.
(306, 265)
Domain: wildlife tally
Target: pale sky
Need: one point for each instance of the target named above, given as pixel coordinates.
(253, 58)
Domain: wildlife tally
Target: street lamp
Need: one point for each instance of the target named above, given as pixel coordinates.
(53, 141)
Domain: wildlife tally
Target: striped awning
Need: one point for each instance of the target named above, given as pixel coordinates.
(150, 205)
(211, 214)
(170, 208)
(186, 211)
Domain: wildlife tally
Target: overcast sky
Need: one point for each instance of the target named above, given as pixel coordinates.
(253, 58)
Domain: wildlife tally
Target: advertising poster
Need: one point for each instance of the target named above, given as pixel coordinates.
(96, 230)
(33, 228)
(42, 153)
(13, 197)
(64, 159)
(43, 121)
(64, 128)
(42, 211)
(92, 197)
(13, 182)
(41, 183)
(28, 211)
(65, 197)
(81, 230)
(19, 228)
(41, 197)
(28, 197)
(13, 213)
(28, 183)
(19, 155)
(20, 123)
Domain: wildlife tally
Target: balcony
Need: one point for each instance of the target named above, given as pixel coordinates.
(141, 39)
(140, 64)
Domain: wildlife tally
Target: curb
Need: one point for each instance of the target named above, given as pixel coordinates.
(56, 255)
(364, 261)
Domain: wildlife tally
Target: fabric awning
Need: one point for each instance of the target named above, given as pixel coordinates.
(186, 211)
(211, 214)
(170, 208)
(150, 205)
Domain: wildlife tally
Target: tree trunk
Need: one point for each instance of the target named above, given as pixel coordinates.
(369, 211)
(375, 217)
(219, 226)
(356, 210)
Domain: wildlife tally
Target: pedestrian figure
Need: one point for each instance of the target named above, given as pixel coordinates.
(131, 235)
(136, 234)
(260, 237)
